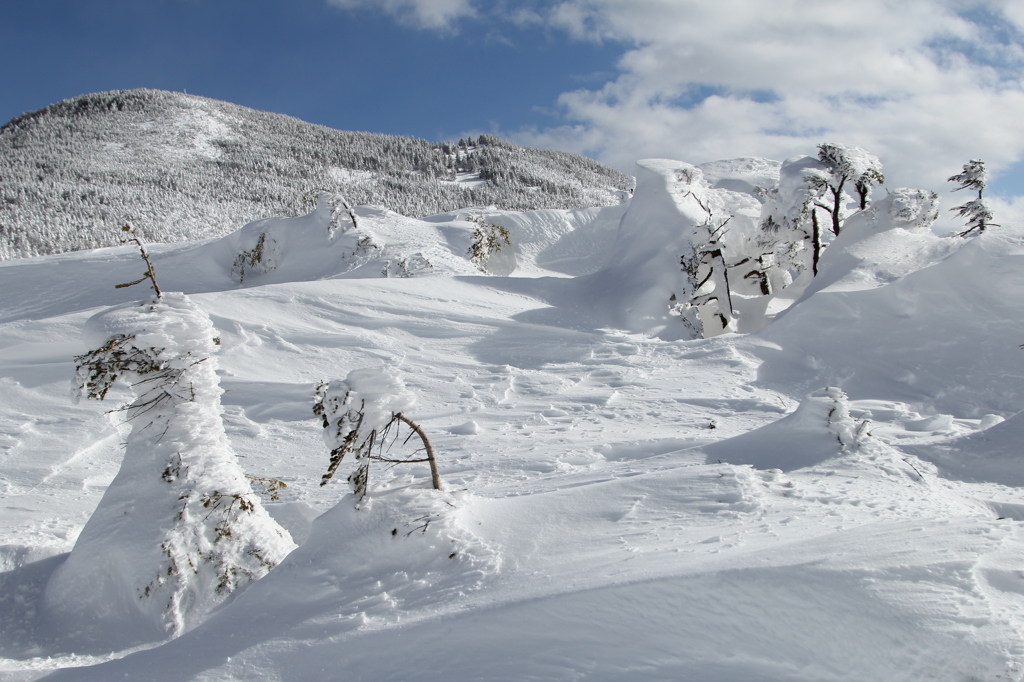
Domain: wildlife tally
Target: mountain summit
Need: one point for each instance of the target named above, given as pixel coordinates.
(184, 167)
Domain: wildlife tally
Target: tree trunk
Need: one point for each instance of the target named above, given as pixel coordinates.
(816, 241)
(435, 475)
(837, 205)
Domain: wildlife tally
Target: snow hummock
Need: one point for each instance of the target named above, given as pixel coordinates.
(655, 232)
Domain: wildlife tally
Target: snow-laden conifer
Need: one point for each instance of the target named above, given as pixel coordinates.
(179, 528)
(707, 272)
(793, 222)
(977, 212)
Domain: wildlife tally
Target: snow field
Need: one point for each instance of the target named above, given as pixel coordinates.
(594, 524)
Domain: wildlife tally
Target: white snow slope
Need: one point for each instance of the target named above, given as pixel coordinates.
(831, 498)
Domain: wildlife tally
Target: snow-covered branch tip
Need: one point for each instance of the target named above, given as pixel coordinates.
(363, 415)
(129, 235)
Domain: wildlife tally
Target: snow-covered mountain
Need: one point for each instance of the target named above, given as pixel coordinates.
(833, 495)
(182, 167)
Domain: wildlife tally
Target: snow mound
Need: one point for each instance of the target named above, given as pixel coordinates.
(942, 337)
(667, 273)
(994, 454)
(820, 429)
(884, 243)
(643, 275)
(549, 241)
(325, 243)
(361, 571)
(179, 529)
(749, 175)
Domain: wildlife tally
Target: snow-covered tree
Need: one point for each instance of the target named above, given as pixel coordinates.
(790, 225)
(707, 274)
(977, 212)
(179, 528)
(847, 167)
(362, 415)
(792, 220)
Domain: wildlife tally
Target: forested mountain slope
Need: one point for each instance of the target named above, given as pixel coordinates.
(183, 167)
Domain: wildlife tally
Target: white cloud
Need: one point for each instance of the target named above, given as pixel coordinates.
(924, 84)
(430, 14)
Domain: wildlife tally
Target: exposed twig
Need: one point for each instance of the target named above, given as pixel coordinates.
(150, 274)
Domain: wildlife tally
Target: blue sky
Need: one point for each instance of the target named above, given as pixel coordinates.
(352, 70)
(925, 84)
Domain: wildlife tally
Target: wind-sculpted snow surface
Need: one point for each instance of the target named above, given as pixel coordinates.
(832, 497)
(884, 243)
(179, 529)
(941, 333)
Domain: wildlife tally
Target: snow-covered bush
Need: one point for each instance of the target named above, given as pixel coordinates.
(179, 529)
(359, 415)
(488, 239)
(262, 257)
(412, 266)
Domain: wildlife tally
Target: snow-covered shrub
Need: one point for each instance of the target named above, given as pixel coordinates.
(359, 415)
(821, 429)
(913, 209)
(488, 239)
(262, 257)
(179, 528)
(130, 235)
(977, 212)
(412, 266)
(340, 210)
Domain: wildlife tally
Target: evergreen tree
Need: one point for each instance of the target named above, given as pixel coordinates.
(976, 211)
